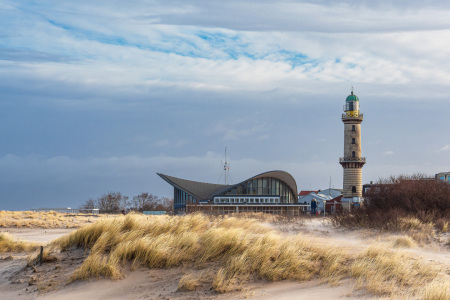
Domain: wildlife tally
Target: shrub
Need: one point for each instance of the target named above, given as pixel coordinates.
(413, 195)
(406, 203)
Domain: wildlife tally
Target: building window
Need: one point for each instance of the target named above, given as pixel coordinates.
(353, 154)
(353, 128)
(353, 189)
(353, 141)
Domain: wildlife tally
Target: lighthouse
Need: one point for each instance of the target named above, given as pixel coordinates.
(352, 162)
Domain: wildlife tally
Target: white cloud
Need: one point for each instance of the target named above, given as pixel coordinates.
(445, 148)
(99, 53)
(388, 153)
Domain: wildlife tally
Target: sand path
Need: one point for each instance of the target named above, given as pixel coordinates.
(37, 235)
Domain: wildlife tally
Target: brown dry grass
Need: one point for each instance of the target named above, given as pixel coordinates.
(436, 290)
(52, 219)
(191, 281)
(9, 244)
(421, 232)
(232, 251)
(383, 271)
(403, 241)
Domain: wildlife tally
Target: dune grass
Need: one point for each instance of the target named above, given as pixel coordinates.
(190, 281)
(436, 290)
(9, 244)
(384, 271)
(235, 251)
(52, 219)
(403, 241)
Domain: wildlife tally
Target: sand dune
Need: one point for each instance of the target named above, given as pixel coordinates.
(18, 282)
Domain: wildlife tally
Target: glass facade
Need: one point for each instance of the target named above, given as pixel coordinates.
(264, 186)
(264, 191)
(180, 200)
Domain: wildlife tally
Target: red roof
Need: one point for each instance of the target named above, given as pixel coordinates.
(304, 193)
(337, 199)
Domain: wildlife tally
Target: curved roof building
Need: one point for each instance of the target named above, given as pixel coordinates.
(267, 192)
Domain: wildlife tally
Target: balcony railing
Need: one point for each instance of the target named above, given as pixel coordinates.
(358, 116)
(352, 159)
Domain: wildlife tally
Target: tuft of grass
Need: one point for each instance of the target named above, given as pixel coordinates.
(410, 223)
(190, 281)
(403, 241)
(389, 272)
(262, 217)
(442, 225)
(436, 290)
(9, 244)
(96, 265)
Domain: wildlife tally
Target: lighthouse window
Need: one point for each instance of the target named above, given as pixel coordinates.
(353, 141)
(353, 128)
(353, 154)
(353, 189)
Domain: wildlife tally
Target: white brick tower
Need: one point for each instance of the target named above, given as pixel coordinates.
(352, 162)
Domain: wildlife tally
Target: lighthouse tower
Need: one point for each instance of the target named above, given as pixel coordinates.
(352, 162)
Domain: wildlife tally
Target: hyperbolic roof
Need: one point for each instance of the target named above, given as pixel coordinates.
(205, 191)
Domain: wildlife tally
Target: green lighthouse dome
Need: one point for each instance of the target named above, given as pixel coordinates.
(352, 97)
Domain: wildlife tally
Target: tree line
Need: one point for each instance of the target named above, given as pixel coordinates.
(116, 202)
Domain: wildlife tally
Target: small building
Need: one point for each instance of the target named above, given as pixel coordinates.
(329, 197)
(272, 192)
(332, 192)
(443, 176)
(334, 205)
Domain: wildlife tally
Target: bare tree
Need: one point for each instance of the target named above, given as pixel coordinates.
(112, 202)
(146, 201)
(115, 202)
(167, 203)
(89, 204)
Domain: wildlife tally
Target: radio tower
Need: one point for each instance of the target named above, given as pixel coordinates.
(226, 166)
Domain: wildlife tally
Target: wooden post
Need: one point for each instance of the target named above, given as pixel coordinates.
(39, 258)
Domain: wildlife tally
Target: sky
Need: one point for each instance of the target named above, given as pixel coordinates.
(99, 96)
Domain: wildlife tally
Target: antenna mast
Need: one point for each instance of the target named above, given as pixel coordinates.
(329, 189)
(226, 166)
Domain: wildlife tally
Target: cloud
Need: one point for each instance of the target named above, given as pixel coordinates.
(95, 45)
(445, 148)
(93, 93)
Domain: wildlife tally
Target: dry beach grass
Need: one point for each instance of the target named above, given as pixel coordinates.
(52, 219)
(9, 244)
(227, 254)
(233, 251)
